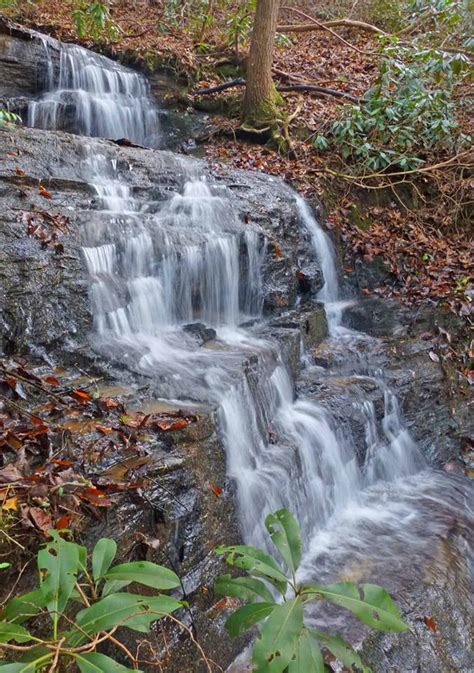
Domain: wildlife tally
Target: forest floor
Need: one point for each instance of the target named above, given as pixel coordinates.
(419, 226)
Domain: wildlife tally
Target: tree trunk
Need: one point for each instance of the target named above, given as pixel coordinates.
(261, 100)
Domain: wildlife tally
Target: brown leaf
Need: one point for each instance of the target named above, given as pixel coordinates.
(104, 430)
(95, 496)
(215, 489)
(81, 396)
(52, 380)
(44, 192)
(64, 521)
(40, 518)
(431, 624)
(19, 171)
(165, 425)
(10, 473)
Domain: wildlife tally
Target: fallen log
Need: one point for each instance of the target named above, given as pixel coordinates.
(303, 86)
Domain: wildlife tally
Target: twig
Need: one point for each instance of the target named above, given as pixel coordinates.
(56, 655)
(16, 406)
(424, 169)
(33, 384)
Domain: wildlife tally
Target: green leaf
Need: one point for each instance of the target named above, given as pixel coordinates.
(94, 662)
(248, 615)
(131, 610)
(58, 564)
(248, 588)
(274, 650)
(26, 666)
(144, 572)
(369, 602)
(285, 534)
(102, 556)
(307, 657)
(113, 586)
(21, 608)
(9, 631)
(256, 562)
(342, 651)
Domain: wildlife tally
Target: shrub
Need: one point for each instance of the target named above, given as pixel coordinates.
(92, 20)
(408, 111)
(67, 578)
(285, 642)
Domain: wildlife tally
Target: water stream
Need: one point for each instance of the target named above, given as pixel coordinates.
(154, 269)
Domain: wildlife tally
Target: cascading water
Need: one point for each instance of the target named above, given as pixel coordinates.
(156, 268)
(91, 95)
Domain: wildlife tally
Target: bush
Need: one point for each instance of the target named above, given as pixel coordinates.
(408, 112)
(92, 20)
(285, 642)
(67, 578)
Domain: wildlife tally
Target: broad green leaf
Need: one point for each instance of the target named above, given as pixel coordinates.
(274, 650)
(307, 657)
(26, 666)
(342, 651)
(21, 608)
(94, 662)
(58, 564)
(369, 602)
(102, 556)
(285, 534)
(248, 588)
(135, 612)
(248, 615)
(256, 562)
(144, 572)
(9, 631)
(112, 586)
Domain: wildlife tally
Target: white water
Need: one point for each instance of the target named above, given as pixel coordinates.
(94, 96)
(153, 269)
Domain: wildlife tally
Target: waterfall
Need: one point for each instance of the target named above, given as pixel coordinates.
(154, 271)
(93, 96)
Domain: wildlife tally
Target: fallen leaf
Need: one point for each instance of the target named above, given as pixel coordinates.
(215, 489)
(19, 171)
(81, 396)
(95, 496)
(165, 425)
(431, 624)
(44, 192)
(52, 380)
(10, 504)
(10, 473)
(40, 518)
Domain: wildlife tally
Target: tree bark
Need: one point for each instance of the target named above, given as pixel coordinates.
(261, 99)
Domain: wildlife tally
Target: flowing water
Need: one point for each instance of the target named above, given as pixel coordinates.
(155, 268)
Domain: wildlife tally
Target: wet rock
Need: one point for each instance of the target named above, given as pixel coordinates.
(438, 614)
(45, 296)
(200, 331)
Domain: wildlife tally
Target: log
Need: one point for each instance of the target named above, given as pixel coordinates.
(303, 86)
